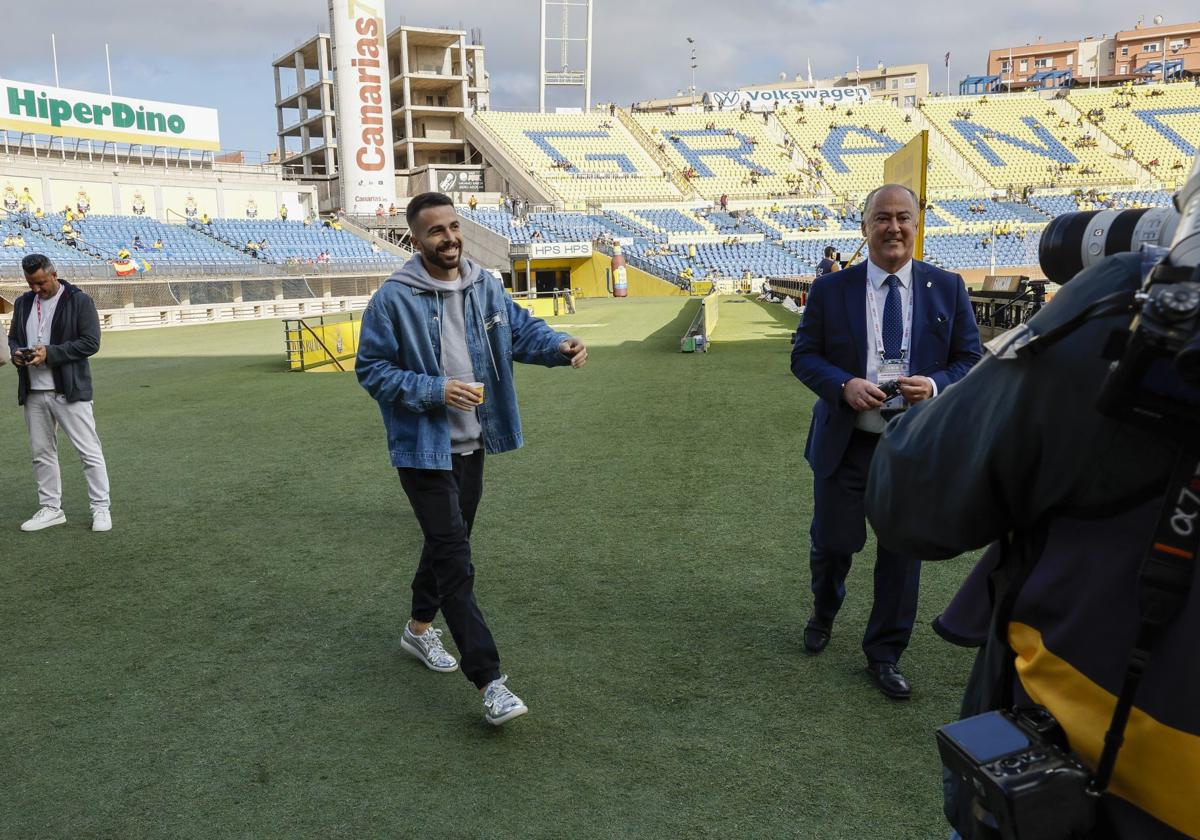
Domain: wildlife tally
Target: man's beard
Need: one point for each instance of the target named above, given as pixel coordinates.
(437, 259)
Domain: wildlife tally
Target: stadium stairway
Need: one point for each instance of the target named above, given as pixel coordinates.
(639, 134)
(210, 234)
(948, 154)
(522, 181)
(1137, 174)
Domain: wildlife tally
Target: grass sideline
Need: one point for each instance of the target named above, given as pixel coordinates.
(225, 663)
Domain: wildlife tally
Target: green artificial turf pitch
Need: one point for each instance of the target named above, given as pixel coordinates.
(225, 662)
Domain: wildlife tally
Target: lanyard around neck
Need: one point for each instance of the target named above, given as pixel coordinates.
(877, 324)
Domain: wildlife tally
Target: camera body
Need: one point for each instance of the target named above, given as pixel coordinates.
(1021, 772)
(25, 354)
(1155, 376)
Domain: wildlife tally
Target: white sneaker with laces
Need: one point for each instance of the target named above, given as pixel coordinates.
(47, 517)
(429, 649)
(102, 521)
(500, 704)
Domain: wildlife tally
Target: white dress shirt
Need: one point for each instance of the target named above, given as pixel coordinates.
(871, 421)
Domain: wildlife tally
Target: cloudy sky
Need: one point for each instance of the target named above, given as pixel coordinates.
(218, 53)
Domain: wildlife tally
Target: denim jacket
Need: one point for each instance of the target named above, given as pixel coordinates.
(399, 363)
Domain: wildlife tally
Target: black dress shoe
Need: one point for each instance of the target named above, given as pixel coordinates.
(889, 680)
(815, 638)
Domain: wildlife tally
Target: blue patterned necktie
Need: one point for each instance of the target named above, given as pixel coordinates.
(893, 320)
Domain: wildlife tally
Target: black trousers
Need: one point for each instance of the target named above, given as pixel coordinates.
(445, 502)
(839, 529)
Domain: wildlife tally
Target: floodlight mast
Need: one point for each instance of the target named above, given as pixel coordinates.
(565, 76)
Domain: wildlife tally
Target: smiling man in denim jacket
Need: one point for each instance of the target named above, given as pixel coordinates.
(437, 327)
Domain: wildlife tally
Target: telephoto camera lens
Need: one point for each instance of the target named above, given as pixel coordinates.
(1075, 241)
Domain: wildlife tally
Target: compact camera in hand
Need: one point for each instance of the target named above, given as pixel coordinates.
(1022, 773)
(26, 354)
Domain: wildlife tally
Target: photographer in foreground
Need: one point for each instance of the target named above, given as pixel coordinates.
(1060, 448)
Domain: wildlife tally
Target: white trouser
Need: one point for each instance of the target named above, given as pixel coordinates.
(45, 411)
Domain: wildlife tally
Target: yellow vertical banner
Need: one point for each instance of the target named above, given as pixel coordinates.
(910, 167)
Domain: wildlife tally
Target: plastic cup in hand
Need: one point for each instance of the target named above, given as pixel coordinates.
(478, 387)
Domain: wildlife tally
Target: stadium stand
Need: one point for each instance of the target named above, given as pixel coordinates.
(987, 211)
(724, 153)
(671, 221)
(1158, 124)
(37, 242)
(582, 157)
(110, 235)
(849, 143)
(760, 259)
(294, 242)
(1019, 140)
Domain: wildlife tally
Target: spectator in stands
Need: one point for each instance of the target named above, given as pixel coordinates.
(262, 244)
(251, 247)
(536, 236)
(691, 252)
(204, 220)
(724, 202)
(38, 214)
(137, 242)
(70, 237)
(283, 212)
(380, 211)
(158, 245)
(59, 324)
(8, 241)
(473, 202)
(436, 436)
(323, 257)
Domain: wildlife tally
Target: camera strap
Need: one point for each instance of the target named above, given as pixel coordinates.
(1163, 584)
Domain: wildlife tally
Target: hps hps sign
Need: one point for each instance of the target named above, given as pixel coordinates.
(96, 116)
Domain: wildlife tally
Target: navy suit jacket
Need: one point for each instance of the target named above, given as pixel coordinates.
(830, 347)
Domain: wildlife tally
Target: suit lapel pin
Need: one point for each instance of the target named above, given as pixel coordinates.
(928, 284)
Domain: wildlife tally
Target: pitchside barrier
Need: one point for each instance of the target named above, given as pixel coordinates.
(322, 342)
(152, 303)
(546, 304)
(699, 333)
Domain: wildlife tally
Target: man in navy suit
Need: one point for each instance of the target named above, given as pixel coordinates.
(891, 319)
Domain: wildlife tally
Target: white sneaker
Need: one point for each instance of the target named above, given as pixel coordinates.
(500, 704)
(102, 521)
(429, 649)
(47, 517)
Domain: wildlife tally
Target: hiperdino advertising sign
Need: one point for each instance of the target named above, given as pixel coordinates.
(35, 109)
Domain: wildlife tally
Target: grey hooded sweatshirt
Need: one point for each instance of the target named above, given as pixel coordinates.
(466, 435)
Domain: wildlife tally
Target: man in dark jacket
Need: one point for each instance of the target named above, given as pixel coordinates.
(55, 328)
(1018, 448)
